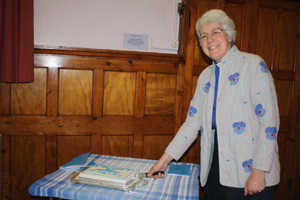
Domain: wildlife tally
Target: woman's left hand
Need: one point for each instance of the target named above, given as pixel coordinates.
(256, 182)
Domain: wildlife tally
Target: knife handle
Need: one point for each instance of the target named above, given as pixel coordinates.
(156, 173)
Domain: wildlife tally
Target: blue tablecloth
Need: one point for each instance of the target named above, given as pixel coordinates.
(58, 183)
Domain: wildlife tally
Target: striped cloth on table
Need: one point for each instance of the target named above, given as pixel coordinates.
(58, 183)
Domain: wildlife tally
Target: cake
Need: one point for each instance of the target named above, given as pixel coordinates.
(112, 175)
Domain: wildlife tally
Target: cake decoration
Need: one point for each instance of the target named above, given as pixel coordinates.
(108, 174)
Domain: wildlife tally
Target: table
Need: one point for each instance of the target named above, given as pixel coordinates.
(57, 184)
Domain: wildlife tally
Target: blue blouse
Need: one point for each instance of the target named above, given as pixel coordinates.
(217, 72)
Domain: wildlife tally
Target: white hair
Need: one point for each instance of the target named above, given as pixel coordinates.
(218, 17)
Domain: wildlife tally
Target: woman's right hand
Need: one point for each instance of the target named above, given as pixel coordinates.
(160, 165)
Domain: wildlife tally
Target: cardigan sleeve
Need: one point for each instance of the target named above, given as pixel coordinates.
(188, 131)
(265, 106)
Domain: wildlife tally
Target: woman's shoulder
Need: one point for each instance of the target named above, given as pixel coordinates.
(253, 62)
(208, 69)
(206, 74)
(250, 57)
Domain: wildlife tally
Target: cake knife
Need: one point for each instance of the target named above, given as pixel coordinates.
(154, 174)
(142, 175)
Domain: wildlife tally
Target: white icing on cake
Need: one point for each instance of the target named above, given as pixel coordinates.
(107, 173)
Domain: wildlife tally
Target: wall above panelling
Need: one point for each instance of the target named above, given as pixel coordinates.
(102, 24)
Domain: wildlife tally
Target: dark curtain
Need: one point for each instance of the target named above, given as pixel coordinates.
(16, 41)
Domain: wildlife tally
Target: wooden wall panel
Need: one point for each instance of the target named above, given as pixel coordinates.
(140, 97)
(98, 89)
(52, 92)
(5, 96)
(68, 58)
(295, 175)
(278, 47)
(178, 112)
(5, 165)
(28, 159)
(288, 41)
(160, 94)
(30, 98)
(75, 92)
(236, 12)
(1, 163)
(119, 93)
(155, 145)
(117, 145)
(69, 147)
(51, 153)
(284, 91)
(265, 40)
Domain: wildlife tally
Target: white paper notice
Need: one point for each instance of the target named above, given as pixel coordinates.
(135, 41)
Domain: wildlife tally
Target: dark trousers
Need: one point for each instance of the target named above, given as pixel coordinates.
(215, 191)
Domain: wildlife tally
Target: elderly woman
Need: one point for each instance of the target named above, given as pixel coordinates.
(235, 108)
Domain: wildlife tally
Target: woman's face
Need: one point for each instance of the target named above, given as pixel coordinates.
(214, 41)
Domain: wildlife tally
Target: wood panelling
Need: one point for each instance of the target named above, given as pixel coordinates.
(52, 92)
(5, 166)
(119, 93)
(295, 174)
(160, 94)
(265, 40)
(117, 145)
(129, 56)
(98, 87)
(284, 91)
(51, 153)
(5, 91)
(27, 152)
(236, 11)
(108, 64)
(124, 125)
(140, 98)
(69, 147)
(30, 98)
(288, 41)
(279, 49)
(155, 145)
(179, 97)
(75, 92)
